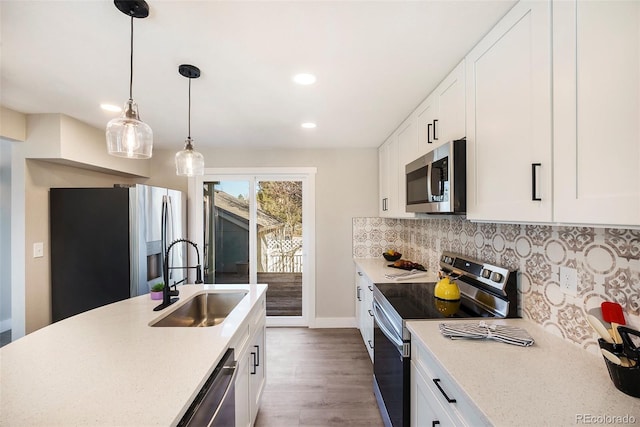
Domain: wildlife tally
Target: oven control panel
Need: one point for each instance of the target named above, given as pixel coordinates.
(459, 265)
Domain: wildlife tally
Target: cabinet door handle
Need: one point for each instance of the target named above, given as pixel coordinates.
(257, 355)
(435, 131)
(437, 383)
(435, 423)
(253, 372)
(534, 176)
(370, 343)
(384, 204)
(360, 273)
(370, 313)
(370, 288)
(429, 133)
(358, 294)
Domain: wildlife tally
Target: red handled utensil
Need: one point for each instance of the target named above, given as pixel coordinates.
(612, 313)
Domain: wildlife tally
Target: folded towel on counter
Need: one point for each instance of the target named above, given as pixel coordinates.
(507, 334)
(405, 275)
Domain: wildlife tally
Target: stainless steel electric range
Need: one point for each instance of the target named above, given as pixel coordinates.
(486, 291)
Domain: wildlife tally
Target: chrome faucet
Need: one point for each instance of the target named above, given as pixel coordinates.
(167, 293)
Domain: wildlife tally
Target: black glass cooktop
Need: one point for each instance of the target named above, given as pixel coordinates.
(417, 301)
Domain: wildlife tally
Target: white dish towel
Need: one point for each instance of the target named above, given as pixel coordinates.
(412, 274)
(507, 334)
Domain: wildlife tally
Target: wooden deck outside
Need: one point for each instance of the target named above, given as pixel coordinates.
(284, 296)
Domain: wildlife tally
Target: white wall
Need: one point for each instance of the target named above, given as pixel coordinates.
(5, 234)
(346, 187)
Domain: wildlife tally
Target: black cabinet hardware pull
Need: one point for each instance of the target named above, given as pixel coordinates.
(429, 141)
(370, 288)
(253, 372)
(257, 355)
(435, 423)
(358, 294)
(370, 313)
(359, 273)
(534, 190)
(435, 132)
(370, 344)
(437, 383)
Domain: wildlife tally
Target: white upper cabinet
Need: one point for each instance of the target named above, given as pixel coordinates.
(407, 136)
(387, 156)
(426, 115)
(597, 112)
(451, 107)
(398, 150)
(508, 118)
(441, 117)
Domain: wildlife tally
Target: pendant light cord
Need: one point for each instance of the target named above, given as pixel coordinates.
(131, 64)
(189, 120)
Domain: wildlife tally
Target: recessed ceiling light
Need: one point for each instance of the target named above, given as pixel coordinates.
(304, 79)
(308, 125)
(111, 108)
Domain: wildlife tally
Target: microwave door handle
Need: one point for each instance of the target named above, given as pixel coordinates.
(436, 181)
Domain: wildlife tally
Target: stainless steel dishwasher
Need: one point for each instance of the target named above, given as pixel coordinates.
(215, 404)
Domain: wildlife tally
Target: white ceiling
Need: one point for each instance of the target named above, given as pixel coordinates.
(375, 61)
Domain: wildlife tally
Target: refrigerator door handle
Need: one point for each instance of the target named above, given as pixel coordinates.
(168, 227)
(163, 233)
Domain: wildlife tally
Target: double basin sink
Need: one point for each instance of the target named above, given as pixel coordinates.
(202, 310)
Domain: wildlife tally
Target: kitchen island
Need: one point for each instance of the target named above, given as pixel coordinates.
(553, 382)
(107, 366)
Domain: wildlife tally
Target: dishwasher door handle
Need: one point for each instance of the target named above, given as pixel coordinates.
(216, 399)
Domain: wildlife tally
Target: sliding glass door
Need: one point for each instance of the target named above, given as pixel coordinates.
(256, 229)
(280, 245)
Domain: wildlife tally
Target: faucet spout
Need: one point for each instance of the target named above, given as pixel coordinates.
(167, 293)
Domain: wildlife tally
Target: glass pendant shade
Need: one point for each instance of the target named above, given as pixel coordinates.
(188, 161)
(128, 136)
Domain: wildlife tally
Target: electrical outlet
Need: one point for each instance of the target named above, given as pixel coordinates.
(569, 281)
(38, 250)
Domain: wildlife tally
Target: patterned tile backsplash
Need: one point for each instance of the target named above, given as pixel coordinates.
(607, 261)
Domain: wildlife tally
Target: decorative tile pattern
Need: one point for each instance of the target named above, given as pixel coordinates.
(607, 261)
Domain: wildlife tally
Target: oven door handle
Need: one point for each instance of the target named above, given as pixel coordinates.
(382, 320)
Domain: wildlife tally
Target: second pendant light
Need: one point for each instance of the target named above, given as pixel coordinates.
(188, 161)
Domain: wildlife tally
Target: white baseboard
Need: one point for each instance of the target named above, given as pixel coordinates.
(334, 322)
(5, 325)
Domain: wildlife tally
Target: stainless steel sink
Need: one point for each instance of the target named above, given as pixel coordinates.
(202, 310)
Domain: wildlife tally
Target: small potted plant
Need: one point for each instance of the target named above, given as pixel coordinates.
(156, 291)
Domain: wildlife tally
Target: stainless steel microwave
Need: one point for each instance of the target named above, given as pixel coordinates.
(437, 181)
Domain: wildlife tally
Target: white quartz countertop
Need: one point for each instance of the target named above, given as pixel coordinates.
(376, 268)
(552, 383)
(109, 367)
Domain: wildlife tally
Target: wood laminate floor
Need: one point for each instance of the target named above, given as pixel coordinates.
(317, 377)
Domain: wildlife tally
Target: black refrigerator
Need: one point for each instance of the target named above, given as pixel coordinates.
(108, 244)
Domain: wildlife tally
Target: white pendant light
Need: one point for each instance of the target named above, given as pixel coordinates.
(127, 135)
(188, 161)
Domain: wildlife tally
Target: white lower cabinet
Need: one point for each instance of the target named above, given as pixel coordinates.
(435, 398)
(364, 310)
(425, 408)
(250, 353)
